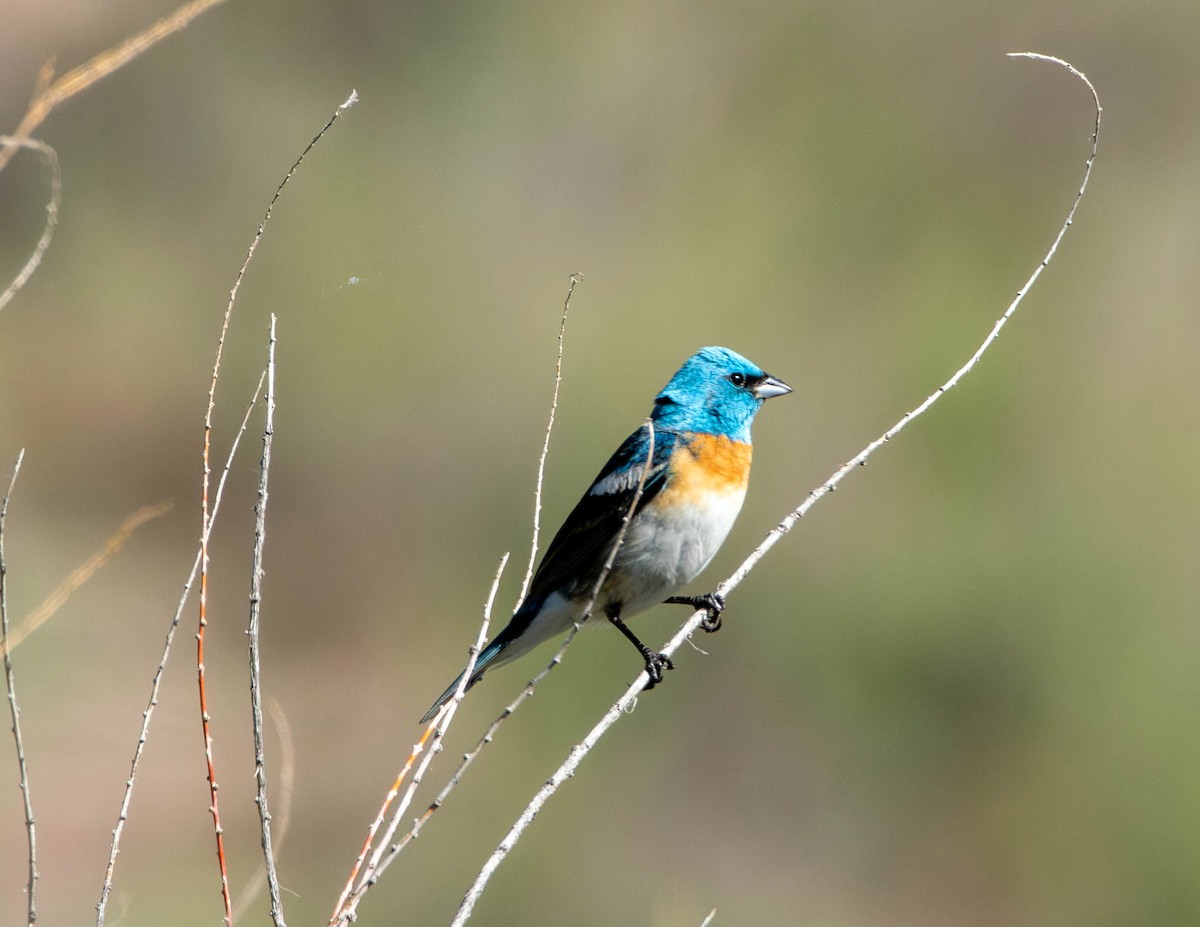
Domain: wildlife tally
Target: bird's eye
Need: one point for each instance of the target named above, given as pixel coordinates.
(737, 379)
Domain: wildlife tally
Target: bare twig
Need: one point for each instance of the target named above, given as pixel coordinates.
(567, 769)
(577, 754)
(82, 573)
(860, 459)
(541, 468)
(48, 95)
(205, 719)
(11, 690)
(469, 757)
(39, 250)
(488, 736)
(156, 683)
(357, 885)
(260, 529)
(201, 677)
(281, 822)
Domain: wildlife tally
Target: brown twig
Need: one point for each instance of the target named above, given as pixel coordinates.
(201, 677)
(205, 521)
(11, 690)
(156, 683)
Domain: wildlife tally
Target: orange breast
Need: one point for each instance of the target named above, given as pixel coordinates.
(707, 465)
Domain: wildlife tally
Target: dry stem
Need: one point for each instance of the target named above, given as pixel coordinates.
(11, 690)
(260, 531)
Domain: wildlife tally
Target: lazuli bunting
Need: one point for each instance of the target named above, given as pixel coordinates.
(691, 496)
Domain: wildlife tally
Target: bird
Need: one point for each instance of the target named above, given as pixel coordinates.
(697, 444)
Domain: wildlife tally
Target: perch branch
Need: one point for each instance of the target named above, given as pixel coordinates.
(567, 769)
(577, 753)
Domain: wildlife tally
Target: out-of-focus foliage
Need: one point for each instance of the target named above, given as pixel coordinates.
(962, 692)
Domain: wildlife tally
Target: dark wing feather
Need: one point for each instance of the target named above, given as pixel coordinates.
(576, 556)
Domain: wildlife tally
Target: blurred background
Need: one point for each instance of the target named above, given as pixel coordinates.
(963, 691)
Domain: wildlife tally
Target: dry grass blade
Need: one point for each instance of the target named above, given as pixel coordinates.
(85, 571)
(48, 95)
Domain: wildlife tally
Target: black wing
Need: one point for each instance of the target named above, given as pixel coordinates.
(576, 556)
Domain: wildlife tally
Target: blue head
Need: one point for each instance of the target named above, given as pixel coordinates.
(716, 391)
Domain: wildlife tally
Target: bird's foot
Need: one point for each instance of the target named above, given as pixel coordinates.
(713, 604)
(655, 664)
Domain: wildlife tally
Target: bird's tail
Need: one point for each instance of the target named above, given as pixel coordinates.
(486, 656)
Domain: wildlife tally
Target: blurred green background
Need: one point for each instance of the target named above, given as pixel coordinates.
(963, 691)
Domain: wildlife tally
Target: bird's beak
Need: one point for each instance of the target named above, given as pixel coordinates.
(771, 387)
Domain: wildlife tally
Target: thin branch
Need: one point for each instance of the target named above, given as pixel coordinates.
(201, 677)
(39, 250)
(260, 530)
(860, 459)
(488, 736)
(11, 689)
(205, 719)
(48, 95)
(85, 571)
(156, 683)
(541, 468)
(580, 751)
(567, 769)
(469, 757)
(287, 790)
(346, 909)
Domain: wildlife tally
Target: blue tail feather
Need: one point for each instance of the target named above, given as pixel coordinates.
(489, 653)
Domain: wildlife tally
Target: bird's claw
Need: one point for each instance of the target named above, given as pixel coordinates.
(713, 604)
(655, 664)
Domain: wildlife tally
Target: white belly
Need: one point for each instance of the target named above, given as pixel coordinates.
(667, 547)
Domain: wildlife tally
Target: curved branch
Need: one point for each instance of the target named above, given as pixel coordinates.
(580, 750)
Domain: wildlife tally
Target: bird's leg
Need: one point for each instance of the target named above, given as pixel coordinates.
(713, 604)
(655, 662)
